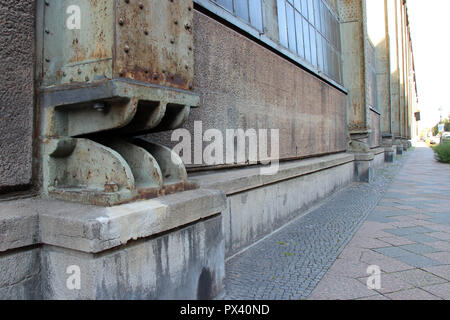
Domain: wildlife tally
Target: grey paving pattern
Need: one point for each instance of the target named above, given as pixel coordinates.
(409, 237)
(290, 263)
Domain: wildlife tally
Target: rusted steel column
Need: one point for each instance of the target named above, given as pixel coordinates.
(110, 70)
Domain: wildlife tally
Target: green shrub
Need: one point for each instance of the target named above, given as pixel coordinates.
(443, 152)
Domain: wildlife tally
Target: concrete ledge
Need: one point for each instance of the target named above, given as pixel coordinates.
(94, 229)
(233, 181)
(99, 230)
(258, 205)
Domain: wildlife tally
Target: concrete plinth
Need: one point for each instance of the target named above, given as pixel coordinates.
(364, 167)
(186, 264)
(389, 154)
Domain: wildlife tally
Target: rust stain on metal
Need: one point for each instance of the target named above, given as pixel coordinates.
(152, 42)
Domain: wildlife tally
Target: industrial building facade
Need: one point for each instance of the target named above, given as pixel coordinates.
(95, 202)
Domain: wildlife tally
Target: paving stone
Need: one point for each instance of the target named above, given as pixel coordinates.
(373, 298)
(412, 294)
(443, 257)
(390, 283)
(408, 231)
(419, 248)
(387, 264)
(422, 238)
(419, 278)
(440, 271)
(418, 261)
(341, 288)
(345, 268)
(440, 235)
(396, 241)
(392, 252)
(439, 290)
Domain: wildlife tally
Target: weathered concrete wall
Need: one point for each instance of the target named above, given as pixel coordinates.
(379, 158)
(375, 127)
(20, 275)
(185, 264)
(16, 93)
(255, 213)
(244, 85)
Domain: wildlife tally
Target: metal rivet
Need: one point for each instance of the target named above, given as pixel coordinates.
(121, 22)
(79, 71)
(146, 32)
(141, 6)
(127, 49)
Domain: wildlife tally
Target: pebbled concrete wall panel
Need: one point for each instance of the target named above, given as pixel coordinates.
(17, 41)
(246, 86)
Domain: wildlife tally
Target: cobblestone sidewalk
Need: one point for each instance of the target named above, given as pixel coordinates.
(407, 236)
(290, 263)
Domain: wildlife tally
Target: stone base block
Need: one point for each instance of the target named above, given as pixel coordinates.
(186, 264)
(20, 275)
(364, 167)
(389, 154)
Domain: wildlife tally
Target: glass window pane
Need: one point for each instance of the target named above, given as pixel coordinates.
(319, 51)
(306, 40)
(310, 29)
(291, 28)
(299, 31)
(322, 17)
(241, 7)
(256, 14)
(317, 14)
(282, 25)
(312, 36)
(311, 11)
(330, 61)
(325, 57)
(305, 8)
(228, 4)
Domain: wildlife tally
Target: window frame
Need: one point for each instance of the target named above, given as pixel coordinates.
(321, 38)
